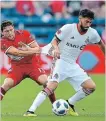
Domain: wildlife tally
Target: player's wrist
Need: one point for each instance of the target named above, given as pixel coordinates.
(56, 48)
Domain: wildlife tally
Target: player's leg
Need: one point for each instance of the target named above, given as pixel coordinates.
(13, 78)
(8, 84)
(86, 89)
(38, 75)
(58, 76)
(46, 92)
(42, 79)
(49, 90)
(83, 85)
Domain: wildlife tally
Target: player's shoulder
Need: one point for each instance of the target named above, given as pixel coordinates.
(93, 31)
(68, 27)
(3, 39)
(25, 32)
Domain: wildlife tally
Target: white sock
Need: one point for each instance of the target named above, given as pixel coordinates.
(78, 96)
(38, 101)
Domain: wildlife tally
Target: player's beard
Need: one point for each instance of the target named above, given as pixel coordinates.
(83, 29)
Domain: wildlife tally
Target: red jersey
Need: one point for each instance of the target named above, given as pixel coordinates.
(20, 35)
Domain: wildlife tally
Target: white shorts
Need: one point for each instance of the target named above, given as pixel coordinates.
(70, 72)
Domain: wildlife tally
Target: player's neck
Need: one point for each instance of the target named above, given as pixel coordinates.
(80, 30)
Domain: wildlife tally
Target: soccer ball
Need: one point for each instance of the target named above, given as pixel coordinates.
(60, 107)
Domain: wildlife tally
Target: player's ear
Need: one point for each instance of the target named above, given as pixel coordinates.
(1, 33)
(80, 17)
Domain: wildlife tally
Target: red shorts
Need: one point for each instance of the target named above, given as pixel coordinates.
(20, 72)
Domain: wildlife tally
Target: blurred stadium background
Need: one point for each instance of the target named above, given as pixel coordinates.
(43, 19)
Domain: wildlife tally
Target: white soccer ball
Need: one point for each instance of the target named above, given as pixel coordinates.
(60, 107)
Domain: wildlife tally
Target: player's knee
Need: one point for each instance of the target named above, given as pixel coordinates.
(8, 83)
(51, 86)
(48, 91)
(88, 91)
(89, 86)
(92, 87)
(42, 79)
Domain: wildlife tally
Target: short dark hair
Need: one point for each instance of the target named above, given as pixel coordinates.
(6, 23)
(86, 13)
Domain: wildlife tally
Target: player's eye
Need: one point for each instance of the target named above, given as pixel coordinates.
(7, 31)
(89, 22)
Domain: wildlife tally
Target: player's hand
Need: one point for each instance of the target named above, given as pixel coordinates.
(23, 46)
(56, 53)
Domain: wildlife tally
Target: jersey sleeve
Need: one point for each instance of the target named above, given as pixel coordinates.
(62, 33)
(29, 37)
(47, 49)
(5, 46)
(95, 37)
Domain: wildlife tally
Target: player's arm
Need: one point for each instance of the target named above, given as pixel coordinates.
(55, 41)
(32, 47)
(47, 50)
(60, 35)
(29, 43)
(96, 39)
(102, 46)
(17, 52)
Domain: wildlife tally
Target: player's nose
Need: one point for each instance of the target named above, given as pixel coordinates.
(89, 24)
(10, 32)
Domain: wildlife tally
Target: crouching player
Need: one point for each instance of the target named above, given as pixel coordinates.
(24, 63)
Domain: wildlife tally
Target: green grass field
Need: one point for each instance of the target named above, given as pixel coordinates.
(18, 100)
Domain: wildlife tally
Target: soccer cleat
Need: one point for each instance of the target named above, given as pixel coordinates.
(72, 111)
(29, 114)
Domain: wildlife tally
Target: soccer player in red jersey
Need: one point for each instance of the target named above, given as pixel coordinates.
(24, 62)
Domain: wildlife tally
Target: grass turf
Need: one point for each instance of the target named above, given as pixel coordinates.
(19, 99)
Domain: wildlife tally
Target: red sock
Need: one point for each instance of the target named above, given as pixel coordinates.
(2, 93)
(52, 98)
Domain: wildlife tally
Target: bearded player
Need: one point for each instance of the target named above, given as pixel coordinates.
(68, 43)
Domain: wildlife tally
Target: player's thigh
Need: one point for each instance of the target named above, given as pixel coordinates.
(59, 72)
(42, 79)
(8, 83)
(88, 84)
(79, 76)
(16, 74)
(77, 81)
(52, 85)
(38, 75)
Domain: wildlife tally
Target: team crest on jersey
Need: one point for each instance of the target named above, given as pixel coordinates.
(56, 76)
(59, 31)
(72, 37)
(87, 40)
